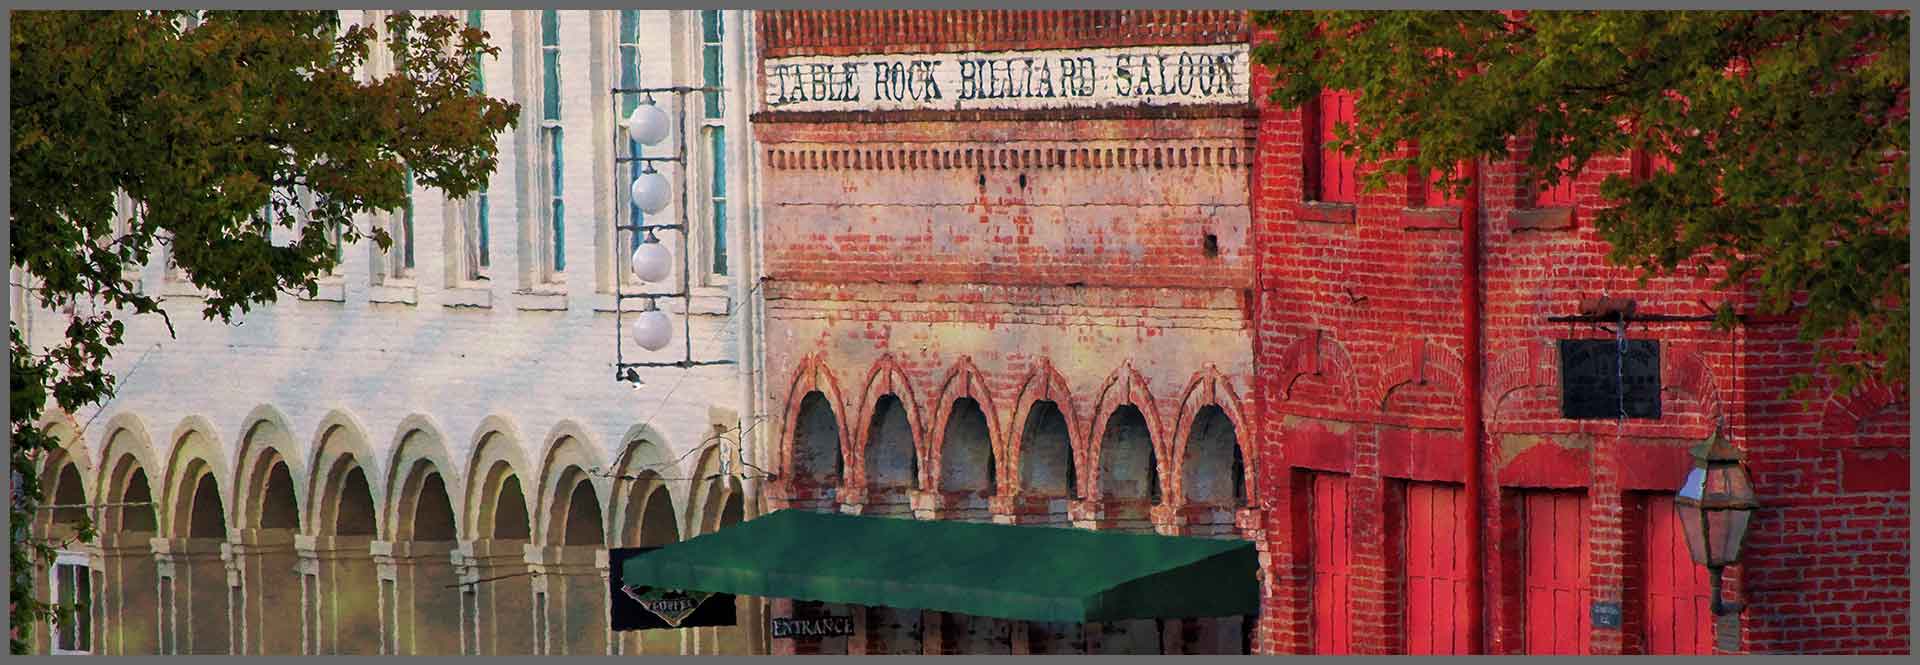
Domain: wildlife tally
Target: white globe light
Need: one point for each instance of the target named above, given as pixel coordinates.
(650, 192)
(652, 261)
(647, 124)
(652, 330)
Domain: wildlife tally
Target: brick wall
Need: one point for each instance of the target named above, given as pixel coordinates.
(1092, 257)
(1358, 363)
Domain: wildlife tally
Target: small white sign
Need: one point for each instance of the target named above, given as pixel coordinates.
(1075, 78)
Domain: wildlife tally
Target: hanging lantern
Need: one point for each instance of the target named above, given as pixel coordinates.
(652, 330)
(652, 261)
(650, 192)
(1716, 503)
(648, 125)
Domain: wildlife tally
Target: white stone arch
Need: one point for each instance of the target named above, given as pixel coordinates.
(419, 448)
(571, 456)
(497, 455)
(125, 449)
(71, 452)
(339, 444)
(708, 501)
(643, 469)
(195, 453)
(266, 440)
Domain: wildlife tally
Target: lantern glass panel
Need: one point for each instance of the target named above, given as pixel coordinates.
(1687, 505)
(1728, 549)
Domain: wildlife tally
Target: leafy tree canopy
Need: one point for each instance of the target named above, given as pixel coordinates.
(218, 128)
(1786, 133)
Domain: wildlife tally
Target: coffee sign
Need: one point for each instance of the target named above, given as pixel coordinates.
(1132, 76)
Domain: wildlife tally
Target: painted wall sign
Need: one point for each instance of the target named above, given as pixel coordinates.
(820, 627)
(651, 608)
(1131, 76)
(1591, 378)
(1606, 614)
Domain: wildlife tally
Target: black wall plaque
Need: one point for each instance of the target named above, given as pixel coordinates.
(1591, 376)
(1606, 614)
(815, 627)
(646, 608)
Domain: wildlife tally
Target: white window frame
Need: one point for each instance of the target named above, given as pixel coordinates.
(698, 179)
(462, 248)
(390, 265)
(538, 273)
(62, 559)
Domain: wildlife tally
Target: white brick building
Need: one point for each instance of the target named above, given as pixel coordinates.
(443, 412)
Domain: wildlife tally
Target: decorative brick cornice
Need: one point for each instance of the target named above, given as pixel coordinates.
(845, 32)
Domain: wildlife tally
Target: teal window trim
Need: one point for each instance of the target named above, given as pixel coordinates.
(557, 212)
(629, 52)
(406, 226)
(717, 199)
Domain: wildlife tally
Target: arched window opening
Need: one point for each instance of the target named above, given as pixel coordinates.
(1128, 468)
(892, 467)
(1213, 465)
(208, 518)
(278, 510)
(433, 511)
(816, 454)
(355, 516)
(583, 516)
(966, 456)
(1046, 454)
(510, 512)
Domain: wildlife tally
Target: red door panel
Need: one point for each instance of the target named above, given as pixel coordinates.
(1436, 569)
(1674, 593)
(1332, 628)
(1556, 589)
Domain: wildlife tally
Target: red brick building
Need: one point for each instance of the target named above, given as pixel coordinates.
(1007, 275)
(1366, 401)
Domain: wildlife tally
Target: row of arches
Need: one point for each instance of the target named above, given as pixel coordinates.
(213, 532)
(892, 442)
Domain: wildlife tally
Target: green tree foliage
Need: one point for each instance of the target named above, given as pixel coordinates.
(1786, 132)
(220, 127)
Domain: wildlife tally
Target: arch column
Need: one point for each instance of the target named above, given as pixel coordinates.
(195, 612)
(126, 573)
(258, 562)
(414, 601)
(494, 612)
(338, 598)
(569, 599)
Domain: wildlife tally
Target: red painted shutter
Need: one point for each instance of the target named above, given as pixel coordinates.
(1437, 196)
(1436, 569)
(1332, 627)
(1556, 592)
(1559, 194)
(1675, 597)
(1336, 183)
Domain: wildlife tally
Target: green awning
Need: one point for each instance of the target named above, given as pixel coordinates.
(1032, 573)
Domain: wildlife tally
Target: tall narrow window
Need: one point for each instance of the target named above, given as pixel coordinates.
(72, 586)
(629, 59)
(551, 138)
(406, 231)
(713, 127)
(477, 251)
(1558, 194)
(1333, 179)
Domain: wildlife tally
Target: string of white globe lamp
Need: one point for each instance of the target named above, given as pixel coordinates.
(651, 261)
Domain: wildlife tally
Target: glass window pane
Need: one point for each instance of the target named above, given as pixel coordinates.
(83, 618)
(407, 223)
(549, 28)
(559, 234)
(720, 237)
(717, 159)
(710, 61)
(629, 25)
(551, 81)
(481, 202)
(710, 24)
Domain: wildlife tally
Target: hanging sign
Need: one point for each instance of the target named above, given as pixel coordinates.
(649, 608)
(1598, 380)
(1070, 78)
(782, 627)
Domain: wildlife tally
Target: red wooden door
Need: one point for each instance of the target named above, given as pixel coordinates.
(1436, 569)
(1556, 591)
(1674, 590)
(1336, 177)
(1332, 626)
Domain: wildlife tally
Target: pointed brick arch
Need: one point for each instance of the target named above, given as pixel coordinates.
(1125, 386)
(1420, 363)
(812, 375)
(1317, 356)
(1209, 387)
(1046, 384)
(884, 379)
(962, 381)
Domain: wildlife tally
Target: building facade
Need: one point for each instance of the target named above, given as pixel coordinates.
(433, 454)
(1366, 402)
(1006, 280)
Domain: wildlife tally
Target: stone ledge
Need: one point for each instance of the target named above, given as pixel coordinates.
(540, 301)
(395, 292)
(477, 297)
